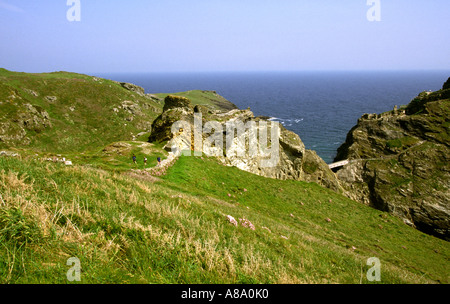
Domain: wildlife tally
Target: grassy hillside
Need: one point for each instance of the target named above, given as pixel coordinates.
(127, 227)
(67, 112)
(62, 111)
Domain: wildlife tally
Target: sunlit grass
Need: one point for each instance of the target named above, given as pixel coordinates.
(130, 230)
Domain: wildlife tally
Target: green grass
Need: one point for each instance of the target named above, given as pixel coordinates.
(87, 114)
(394, 143)
(130, 229)
(209, 99)
(403, 142)
(120, 159)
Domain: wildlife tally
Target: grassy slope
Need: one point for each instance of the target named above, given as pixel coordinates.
(127, 228)
(131, 228)
(90, 124)
(82, 117)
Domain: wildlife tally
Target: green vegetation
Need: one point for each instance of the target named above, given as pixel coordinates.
(127, 226)
(64, 112)
(209, 99)
(402, 142)
(419, 104)
(73, 112)
(118, 156)
(446, 85)
(130, 228)
(394, 143)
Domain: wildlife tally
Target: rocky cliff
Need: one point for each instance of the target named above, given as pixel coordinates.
(399, 162)
(293, 160)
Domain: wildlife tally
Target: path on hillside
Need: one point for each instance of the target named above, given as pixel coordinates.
(349, 161)
(161, 168)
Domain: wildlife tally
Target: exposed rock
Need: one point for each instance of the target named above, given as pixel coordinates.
(172, 101)
(131, 107)
(11, 133)
(316, 170)
(132, 87)
(232, 220)
(161, 126)
(33, 118)
(31, 92)
(202, 109)
(154, 98)
(51, 99)
(26, 118)
(400, 163)
(446, 85)
(220, 139)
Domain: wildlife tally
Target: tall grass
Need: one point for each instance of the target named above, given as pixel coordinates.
(125, 229)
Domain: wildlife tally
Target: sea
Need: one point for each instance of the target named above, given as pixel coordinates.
(321, 107)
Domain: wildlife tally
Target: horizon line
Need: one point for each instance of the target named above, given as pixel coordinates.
(234, 71)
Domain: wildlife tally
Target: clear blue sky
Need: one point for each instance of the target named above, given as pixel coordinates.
(223, 35)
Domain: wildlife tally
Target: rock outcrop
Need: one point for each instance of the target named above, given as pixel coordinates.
(133, 88)
(220, 139)
(400, 162)
(446, 85)
(26, 118)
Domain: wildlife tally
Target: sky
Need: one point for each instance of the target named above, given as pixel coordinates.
(141, 36)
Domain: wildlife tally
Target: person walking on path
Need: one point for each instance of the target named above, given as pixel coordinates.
(134, 159)
(145, 161)
(159, 161)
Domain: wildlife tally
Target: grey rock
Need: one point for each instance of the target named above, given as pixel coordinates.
(51, 99)
(294, 161)
(400, 163)
(134, 88)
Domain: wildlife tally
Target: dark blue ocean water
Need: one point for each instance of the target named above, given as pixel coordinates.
(321, 107)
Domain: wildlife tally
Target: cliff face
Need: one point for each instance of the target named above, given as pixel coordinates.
(293, 162)
(399, 162)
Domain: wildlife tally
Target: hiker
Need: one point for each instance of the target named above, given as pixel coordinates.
(145, 161)
(134, 159)
(159, 161)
